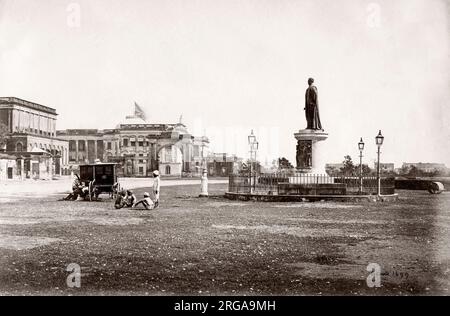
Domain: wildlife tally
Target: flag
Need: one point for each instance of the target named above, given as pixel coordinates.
(139, 112)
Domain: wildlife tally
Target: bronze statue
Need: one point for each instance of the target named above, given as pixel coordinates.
(312, 107)
(304, 154)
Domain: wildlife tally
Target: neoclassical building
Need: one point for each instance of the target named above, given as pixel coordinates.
(139, 147)
(31, 139)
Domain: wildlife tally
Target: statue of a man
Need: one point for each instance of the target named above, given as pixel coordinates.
(312, 107)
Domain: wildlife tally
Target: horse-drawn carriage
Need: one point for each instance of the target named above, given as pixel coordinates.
(100, 178)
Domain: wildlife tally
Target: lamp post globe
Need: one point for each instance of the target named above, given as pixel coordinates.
(361, 145)
(251, 138)
(379, 139)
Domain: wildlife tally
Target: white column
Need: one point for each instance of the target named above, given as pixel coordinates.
(204, 184)
(76, 151)
(22, 169)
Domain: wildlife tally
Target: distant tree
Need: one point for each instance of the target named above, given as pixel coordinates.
(404, 170)
(349, 168)
(284, 164)
(3, 135)
(333, 171)
(441, 173)
(274, 165)
(366, 170)
(255, 166)
(413, 171)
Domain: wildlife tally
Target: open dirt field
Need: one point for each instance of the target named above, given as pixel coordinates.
(215, 246)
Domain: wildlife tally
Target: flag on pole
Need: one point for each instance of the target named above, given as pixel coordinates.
(139, 112)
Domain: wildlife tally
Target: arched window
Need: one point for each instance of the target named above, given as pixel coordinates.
(19, 147)
(168, 170)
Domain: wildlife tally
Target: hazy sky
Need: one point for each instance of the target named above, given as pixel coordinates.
(230, 66)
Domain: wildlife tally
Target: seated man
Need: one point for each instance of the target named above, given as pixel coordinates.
(120, 200)
(77, 189)
(130, 199)
(146, 202)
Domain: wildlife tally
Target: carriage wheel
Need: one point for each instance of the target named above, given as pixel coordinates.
(118, 190)
(114, 191)
(435, 188)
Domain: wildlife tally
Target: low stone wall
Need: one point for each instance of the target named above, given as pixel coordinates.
(315, 189)
(309, 198)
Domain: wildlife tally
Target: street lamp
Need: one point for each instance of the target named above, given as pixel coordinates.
(253, 144)
(379, 141)
(251, 138)
(361, 148)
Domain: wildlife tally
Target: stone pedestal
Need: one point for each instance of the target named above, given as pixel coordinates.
(311, 158)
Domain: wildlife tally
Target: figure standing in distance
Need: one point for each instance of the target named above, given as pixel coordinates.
(312, 107)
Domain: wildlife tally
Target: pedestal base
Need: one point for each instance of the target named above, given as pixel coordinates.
(310, 156)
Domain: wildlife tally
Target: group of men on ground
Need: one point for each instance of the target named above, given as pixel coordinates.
(124, 198)
(128, 199)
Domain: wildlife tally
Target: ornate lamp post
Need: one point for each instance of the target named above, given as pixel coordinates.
(379, 141)
(361, 148)
(253, 144)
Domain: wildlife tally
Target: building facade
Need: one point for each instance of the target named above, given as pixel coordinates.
(223, 165)
(427, 167)
(384, 166)
(31, 138)
(8, 167)
(139, 148)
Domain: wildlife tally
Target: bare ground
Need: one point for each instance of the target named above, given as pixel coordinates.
(215, 246)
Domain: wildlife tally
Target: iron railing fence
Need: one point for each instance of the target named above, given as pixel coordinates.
(280, 183)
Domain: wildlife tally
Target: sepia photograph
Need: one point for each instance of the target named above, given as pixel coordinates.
(224, 153)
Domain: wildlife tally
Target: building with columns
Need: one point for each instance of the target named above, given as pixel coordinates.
(31, 138)
(139, 147)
